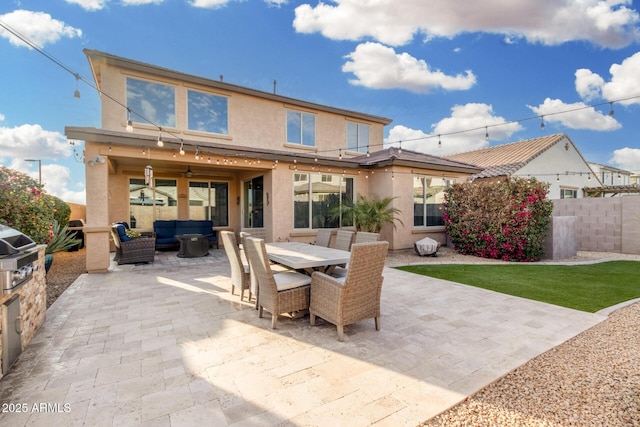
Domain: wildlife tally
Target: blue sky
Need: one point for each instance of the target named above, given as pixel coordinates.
(436, 67)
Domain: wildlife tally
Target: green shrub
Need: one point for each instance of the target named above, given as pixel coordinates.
(501, 220)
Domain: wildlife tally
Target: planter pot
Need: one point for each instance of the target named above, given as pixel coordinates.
(48, 260)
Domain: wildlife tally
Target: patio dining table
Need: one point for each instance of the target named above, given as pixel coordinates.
(306, 257)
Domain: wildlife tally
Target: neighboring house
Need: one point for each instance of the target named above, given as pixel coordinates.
(609, 175)
(553, 159)
(178, 146)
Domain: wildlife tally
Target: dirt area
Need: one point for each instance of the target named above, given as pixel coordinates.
(66, 268)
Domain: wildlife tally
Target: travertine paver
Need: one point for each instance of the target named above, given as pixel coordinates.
(167, 344)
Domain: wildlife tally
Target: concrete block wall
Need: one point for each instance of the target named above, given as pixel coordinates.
(606, 224)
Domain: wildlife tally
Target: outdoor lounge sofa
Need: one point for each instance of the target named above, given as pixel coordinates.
(132, 251)
(167, 230)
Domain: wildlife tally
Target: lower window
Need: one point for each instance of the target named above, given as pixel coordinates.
(318, 200)
(209, 201)
(147, 203)
(568, 193)
(428, 198)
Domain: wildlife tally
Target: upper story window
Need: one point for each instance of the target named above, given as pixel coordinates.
(301, 128)
(207, 112)
(357, 137)
(155, 102)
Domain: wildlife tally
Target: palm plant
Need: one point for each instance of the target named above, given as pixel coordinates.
(371, 215)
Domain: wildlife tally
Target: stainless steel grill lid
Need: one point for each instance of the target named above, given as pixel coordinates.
(12, 241)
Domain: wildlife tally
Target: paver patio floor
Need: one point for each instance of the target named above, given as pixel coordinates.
(168, 345)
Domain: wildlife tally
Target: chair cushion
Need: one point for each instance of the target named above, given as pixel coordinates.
(122, 233)
(291, 279)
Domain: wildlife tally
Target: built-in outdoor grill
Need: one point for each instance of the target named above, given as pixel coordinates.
(18, 262)
(18, 257)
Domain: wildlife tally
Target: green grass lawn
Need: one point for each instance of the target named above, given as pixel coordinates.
(588, 288)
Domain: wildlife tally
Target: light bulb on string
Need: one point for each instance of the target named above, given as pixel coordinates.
(486, 133)
(160, 141)
(541, 122)
(611, 112)
(181, 148)
(76, 93)
(197, 156)
(129, 127)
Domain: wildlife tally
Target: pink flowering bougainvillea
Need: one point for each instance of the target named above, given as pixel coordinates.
(502, 220)
(27, 208)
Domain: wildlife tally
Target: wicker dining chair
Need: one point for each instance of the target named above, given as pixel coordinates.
(343, 240)
(323, 238)
(363, 236)
(356, 297)
(284, 292)
(240, 276)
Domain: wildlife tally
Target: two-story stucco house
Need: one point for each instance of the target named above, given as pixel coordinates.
(178, 146)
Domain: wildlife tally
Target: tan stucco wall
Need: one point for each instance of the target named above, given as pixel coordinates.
(253, 122)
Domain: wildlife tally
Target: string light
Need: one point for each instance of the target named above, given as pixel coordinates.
(181, 148)
(78, 78)
(160, 142)
(129, 127)
(486, 133)
(76, 93)
(542, 122)
(197, 156)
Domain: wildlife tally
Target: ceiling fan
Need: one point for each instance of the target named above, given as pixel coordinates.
(204, 173)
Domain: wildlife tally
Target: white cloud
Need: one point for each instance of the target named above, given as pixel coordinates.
(380, 67)
(91, 5)
(209, 4)
(627, 158)
(624, 81)
(56, 179)
(27, 141)
(578, 115)
(38, 27)
(588, 84)
(1, 117)
(606, 23)
(140, 2)
(463, 118)
(623, 84)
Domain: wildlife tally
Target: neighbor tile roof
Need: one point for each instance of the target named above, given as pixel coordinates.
(506, 159)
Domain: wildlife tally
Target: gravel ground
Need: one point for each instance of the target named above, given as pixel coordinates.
(66, 268)
(591, 380)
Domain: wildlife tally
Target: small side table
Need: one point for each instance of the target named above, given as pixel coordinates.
(193, 245)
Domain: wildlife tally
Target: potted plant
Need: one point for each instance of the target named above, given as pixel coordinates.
(370, 215)
(58, 240)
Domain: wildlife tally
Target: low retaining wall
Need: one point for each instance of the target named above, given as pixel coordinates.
(605, 224)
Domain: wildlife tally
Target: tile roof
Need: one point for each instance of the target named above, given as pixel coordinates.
(393, 155)
(506, 159)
